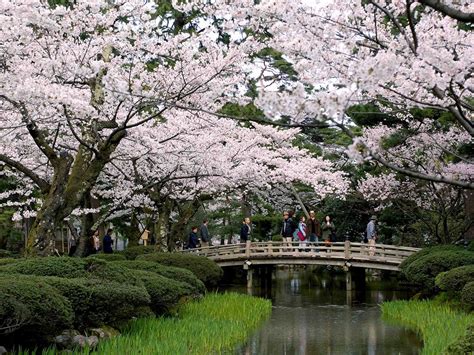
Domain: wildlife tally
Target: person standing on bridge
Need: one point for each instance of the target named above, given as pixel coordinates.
(288, 228)
(245, 230)
(204, 232)
(313, 228)
(193, 240)
(372, 234)
(328, 230)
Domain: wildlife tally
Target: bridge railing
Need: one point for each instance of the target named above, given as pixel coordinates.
(338, 250)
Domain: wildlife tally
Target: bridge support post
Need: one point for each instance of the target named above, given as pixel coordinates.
(348, 280)
(249, 277)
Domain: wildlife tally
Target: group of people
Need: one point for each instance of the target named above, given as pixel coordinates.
(94, 244)
(303, 231)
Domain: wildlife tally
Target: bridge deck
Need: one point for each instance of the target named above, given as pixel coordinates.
(384, 257)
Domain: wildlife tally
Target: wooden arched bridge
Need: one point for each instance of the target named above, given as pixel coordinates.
(345, 254)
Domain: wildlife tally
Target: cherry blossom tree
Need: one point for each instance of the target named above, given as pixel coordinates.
(396, 55)
(76, 81)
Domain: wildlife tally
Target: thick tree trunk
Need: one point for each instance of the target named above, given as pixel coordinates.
(178, 230)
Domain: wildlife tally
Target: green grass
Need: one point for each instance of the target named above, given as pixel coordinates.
(214, 325)
(439, 324)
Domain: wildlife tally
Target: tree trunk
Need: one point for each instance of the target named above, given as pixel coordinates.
(178, 230)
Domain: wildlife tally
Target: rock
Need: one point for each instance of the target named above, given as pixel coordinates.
(105, 332)
(92, 341)
(79, 341)
(3, 350)
(65, 339)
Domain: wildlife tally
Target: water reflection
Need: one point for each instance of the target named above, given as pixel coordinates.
(313, 314)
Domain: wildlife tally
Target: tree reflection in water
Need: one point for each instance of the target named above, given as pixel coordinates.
(313, 314)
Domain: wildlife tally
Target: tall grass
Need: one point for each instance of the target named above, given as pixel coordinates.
(216, 324)
(439, 324)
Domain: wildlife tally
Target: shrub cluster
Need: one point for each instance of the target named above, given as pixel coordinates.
(422, 267)
(43, 296)
(455, 279)
(171, 272)
(131, 253)
(206, 270)
(109, 257)
(467, 295)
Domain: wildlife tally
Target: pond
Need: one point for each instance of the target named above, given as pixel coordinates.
(314, 314)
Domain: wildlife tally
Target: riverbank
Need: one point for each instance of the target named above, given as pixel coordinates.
(215, 324)
(439, 324)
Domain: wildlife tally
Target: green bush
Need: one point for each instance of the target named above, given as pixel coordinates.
(455, 279)
(171, 272)
(467, 295)
(205, 269)
(109, 257)
(164, 293)
(67, 267)
(464, 345)
(32, 307)
(5, 261)
(428, 250)
(423, 269)
(101, 302)
(277, 238)
(131, 253)
(5, 253)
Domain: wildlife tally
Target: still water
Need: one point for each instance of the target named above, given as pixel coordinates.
(313, 314)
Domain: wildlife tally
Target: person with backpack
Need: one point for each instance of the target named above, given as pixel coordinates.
(302, 233)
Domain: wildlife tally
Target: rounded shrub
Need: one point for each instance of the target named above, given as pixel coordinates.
(455, 279)
(67, 267)
(5, 253)
(428, 250)
(467, 295)
(165, 293)
(205, 269)
(131, 253)
(423, 269)
(171, 272)
(31, 307)
(463, 345)
(109, 257)
(5, 261)
(101, 302)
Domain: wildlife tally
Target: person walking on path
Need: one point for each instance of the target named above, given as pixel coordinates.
(204, 233)
(287, 229)
(371, 232)
(245, 230)
(313, 228)
(328, 229)
(108, 242)
(302, 233)
(193, 240)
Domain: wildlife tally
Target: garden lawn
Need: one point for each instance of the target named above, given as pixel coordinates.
(214, 325)
(439, 324)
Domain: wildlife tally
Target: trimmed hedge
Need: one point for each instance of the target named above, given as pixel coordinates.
(424, 266)
(5, 261)
(171, 272)
(5, 253)
(71, 268)
(39, 308)
(428, 250)
(108, 257)
(131, 253)
(205, 269)
(467, 295)
(455, 279)
(101, 302)
(164, 293)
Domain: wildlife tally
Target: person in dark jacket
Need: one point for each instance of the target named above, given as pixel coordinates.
(245, 230)
(204, 232)
(108, 242)
(313, 228)
(288, 228)
(193, 240)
